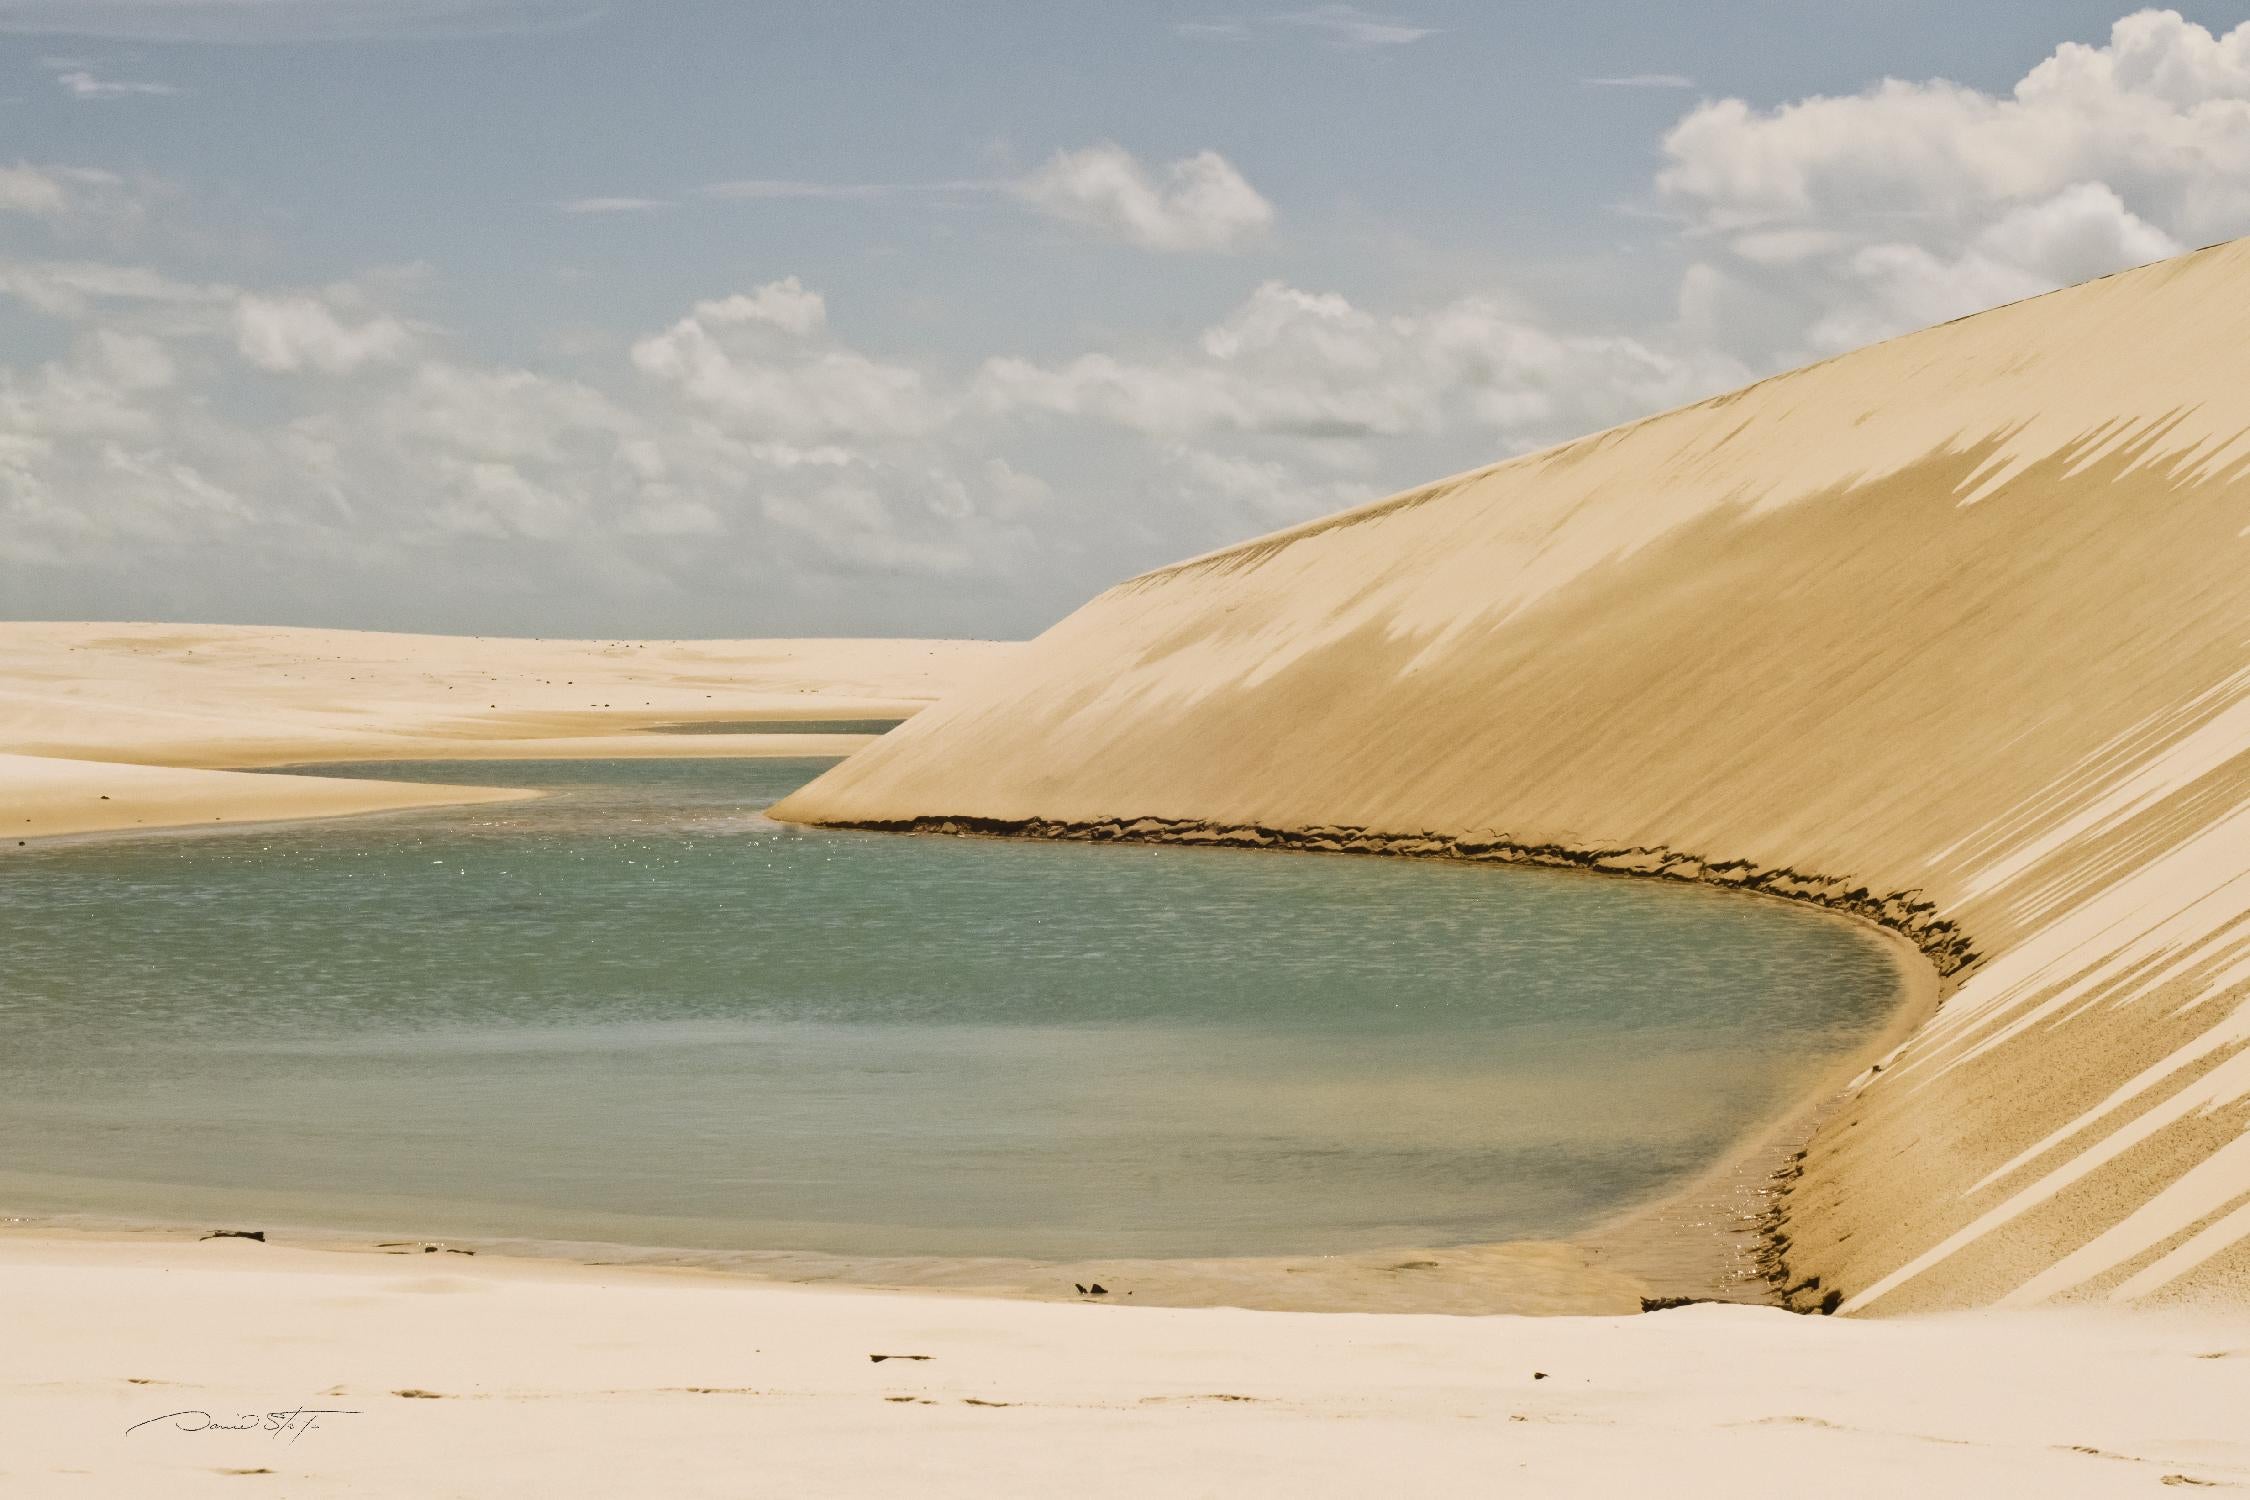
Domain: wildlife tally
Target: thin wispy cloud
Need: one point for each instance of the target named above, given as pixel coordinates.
(81, 84)
(779, 188)
(613, 205)
(1233, 31)
(1197, 203)
(1642, 81)
(1349, 26)
(1344, 26)
(283, 21)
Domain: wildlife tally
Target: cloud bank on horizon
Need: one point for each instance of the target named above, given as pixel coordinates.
(184, 434)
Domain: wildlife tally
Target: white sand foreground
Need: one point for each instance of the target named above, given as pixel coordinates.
(449, 1376)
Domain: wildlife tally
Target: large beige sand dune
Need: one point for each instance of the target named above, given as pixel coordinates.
(1953, 632)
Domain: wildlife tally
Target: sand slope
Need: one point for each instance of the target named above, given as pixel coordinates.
(457, 1377)
(1954, 629)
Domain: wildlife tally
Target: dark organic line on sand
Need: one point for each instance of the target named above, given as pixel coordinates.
(1906, 913)
(1940, 939)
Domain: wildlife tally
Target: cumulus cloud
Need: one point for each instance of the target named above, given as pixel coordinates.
(760, 360)
(1910, 203)
(754, 450)
(748, 465)
(1288, 362)
(62, 196)
(287, 334)
(746, 446)
(29, 190)
(2161, 115)
(1199, 202)
(783, 304)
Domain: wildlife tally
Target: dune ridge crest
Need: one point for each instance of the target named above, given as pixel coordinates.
(1960, 615)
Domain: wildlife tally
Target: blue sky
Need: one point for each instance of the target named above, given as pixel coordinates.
(731, 319)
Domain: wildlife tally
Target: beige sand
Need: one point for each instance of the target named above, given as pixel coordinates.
(496, 1379)
(75, 699)
(40, 797)
(1960, 618)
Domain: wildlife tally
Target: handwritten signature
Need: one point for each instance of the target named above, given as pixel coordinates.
(293, 1424)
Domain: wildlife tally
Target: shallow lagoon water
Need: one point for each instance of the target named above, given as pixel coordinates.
(639, 1012)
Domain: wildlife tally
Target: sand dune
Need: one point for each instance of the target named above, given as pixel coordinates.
(1952, 632)
(78, 699)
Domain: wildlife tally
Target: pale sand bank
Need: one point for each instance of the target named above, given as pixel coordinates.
(548, 1380)
(41, 797)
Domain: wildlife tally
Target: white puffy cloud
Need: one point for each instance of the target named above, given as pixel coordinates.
(746, 465)
(1910, 203)
(1199, 202)
(785, 304)
(64, 197)
(39, 192)
(285, 334)
(1314, 366)
(2161, 114)
(759, 360)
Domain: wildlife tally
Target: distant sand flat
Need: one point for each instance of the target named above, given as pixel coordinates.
(1960, 619)
(88, 710)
